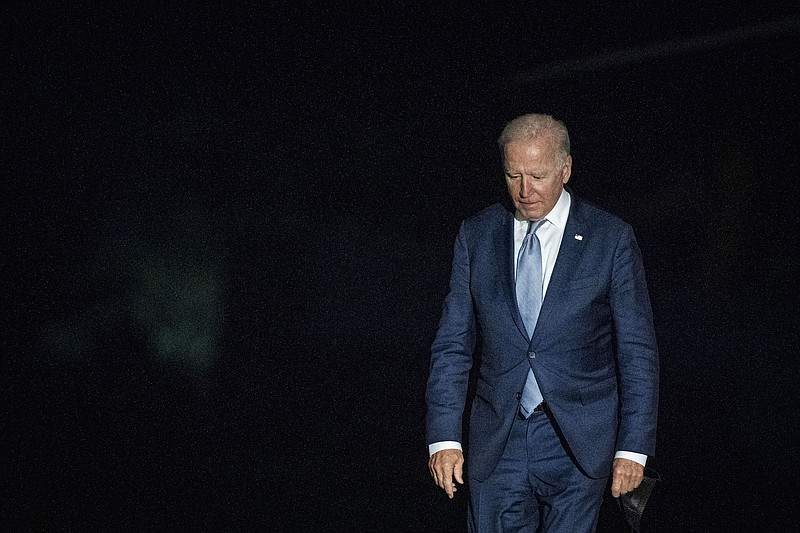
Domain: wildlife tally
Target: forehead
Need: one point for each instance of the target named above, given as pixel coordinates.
(535, 154)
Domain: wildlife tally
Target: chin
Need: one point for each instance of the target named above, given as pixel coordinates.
(529, 213)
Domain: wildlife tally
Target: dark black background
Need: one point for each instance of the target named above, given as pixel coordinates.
(284, 183)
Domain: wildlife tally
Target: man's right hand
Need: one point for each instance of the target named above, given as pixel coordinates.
(445, 465)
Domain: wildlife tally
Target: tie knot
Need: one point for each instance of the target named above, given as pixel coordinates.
(533, 225)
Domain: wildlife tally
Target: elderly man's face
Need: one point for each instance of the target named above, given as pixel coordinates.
(535, 175)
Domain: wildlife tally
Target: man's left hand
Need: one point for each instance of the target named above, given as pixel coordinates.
(627, 476)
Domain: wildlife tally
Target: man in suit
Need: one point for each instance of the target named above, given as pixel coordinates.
(553, 290)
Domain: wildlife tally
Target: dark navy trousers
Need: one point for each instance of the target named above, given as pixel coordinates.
(536, 486)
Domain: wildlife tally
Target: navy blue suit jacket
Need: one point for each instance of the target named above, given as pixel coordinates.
(593, 350)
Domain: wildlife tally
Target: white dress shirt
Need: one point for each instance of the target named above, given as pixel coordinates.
(550, 235)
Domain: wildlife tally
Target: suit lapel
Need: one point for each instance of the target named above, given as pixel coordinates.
(504, 249)
(572, 246)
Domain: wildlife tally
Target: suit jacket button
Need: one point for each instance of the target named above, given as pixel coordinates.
(519, 395)
(532, 355)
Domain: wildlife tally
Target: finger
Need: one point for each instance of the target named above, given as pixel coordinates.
(458, 471)
(617, 486)
(453, 489)
(444, 473)
(440, 474)
(432, 470)
(449, 486)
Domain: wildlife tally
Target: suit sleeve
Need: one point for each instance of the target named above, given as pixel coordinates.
(451, 352)
(637, 352)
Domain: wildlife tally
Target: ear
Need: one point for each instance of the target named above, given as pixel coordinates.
(566, 172)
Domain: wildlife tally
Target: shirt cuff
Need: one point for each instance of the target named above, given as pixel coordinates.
(633, 456)
(443, 445)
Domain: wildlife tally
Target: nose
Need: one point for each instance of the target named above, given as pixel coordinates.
(525, 188)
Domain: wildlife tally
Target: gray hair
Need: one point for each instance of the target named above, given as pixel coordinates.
(533, 126)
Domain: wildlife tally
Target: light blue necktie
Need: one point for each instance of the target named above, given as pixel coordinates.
(529, 300)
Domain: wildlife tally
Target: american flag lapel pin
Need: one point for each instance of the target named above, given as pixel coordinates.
(578, 237)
